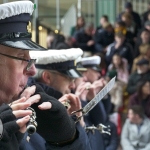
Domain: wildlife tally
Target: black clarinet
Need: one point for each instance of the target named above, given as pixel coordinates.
(32, 124)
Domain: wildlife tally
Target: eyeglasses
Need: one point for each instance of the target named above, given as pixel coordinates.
(30, 61)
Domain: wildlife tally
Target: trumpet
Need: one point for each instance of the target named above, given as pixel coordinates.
(32, 124)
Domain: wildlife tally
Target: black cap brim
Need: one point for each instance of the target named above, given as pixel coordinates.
(23, 44)
(96, 68)
(73, 73)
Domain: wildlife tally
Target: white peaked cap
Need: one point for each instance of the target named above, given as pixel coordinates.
(15, 8)
(94, 60)
(55, 56)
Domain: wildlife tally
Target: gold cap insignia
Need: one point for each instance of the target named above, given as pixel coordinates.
(29, 27)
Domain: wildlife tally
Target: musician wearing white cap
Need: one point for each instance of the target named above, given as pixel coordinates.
(92, 80)
(57, 69)
(93, 69)
(16, 67)
(86, 88)
(56, 72)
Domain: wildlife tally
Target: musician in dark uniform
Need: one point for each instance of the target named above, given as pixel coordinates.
(59, 72)
(100, 114)
(16, 67)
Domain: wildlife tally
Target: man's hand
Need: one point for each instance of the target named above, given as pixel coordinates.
(28, 92)
(75, 105)
(95, 88)
(74, 102)
(90, 43)
(19, 106)
(82, 90)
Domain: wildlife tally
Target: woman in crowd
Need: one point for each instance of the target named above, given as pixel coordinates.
(121, 66)
(120, 46)
(144, 53)
(144, 39)
(80, 24)
(142, 97)
(131, 26)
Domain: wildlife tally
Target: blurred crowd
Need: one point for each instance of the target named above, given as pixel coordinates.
(124, 49)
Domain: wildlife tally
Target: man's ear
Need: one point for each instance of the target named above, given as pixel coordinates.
(46, 77)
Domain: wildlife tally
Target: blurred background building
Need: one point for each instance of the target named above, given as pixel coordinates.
(60, 15)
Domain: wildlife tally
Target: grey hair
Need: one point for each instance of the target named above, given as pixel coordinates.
(38, 74)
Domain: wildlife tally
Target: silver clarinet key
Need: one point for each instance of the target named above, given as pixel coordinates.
(32, 124)
(104, 129)
(101, 128)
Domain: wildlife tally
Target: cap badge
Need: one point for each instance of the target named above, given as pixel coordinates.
(29, 27)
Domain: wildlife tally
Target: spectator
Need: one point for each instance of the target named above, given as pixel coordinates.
(121, 47)
(122, 25)
(121, 66)
(136, 132)
(66, 44)
(84, 38)
(130, 26)
(147, 25)
(142, 97)
(80, 24)
(104, 19)
(49, 40)
(144, 53)
(104, 37)
(143, 39)
(129, 9)
(146, 14)
(57, 40)
(142, 73)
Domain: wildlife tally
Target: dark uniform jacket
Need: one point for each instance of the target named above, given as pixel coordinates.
(111, 141)
(81, 41)
(36, 142)
(83, 142)
(134, 80)
(94, 117)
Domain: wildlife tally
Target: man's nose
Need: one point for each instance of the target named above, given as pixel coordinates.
(31, 71)
(84, 78)
(72, 85)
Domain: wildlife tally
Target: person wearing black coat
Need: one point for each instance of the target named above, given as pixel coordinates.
(136, 17)
(120, 46)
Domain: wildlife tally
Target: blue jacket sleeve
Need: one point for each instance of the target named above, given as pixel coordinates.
(98, 114)
(81, 143)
